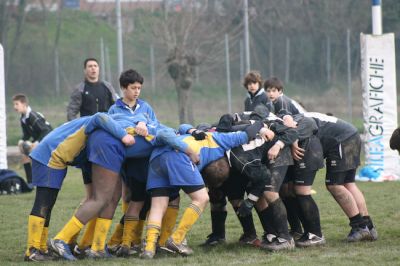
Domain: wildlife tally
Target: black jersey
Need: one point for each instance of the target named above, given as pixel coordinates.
(34, 126)
(284, 105)
(331, 130)
(96, 97)
(260, 98)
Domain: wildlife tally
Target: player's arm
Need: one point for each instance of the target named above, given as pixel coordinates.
(74, 104)
(108, 124)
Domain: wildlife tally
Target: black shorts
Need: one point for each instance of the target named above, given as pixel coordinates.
(344, 156)
(275, 178)
(340, 178)
(87, 173)
(299, 176)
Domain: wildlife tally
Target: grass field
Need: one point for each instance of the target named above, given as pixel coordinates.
(382, 198)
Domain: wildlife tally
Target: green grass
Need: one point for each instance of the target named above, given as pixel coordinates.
(382, 200)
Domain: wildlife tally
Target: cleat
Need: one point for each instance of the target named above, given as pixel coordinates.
(296, 235)
(251, 240)
(61, 249)
(147, 255)
(123, 251)
(36, 255)
(182, 248)
(358, 234)
(310, 240)
(113, 249)
(267, 239)
(373, 234)
(213, 240)
(164, 251)
(79, 253)
(101, 254)
(280, 244)
(135, 249)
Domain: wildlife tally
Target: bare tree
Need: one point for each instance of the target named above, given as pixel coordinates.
(190, 36)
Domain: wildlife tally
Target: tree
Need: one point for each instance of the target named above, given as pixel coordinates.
(190, 32)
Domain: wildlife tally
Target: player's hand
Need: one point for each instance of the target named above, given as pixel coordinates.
(267, 134)
(128, 140)
(273, 152)
(141, 129)
(245, 208)
(194, 157)
(289, 122)
(199, 134)
(297, 152)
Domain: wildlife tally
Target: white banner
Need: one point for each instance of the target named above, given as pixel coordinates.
(378, 78)
(3, 132)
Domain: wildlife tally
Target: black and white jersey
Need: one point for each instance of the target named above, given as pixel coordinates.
(251, 101)
(331, 130)
(284, 105)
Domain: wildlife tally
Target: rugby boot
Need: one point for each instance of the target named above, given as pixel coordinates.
(310, 240)
(358, 234)
(61, 248)
(182, 248)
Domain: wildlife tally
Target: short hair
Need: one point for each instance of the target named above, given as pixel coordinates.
(395, 140)
(273, 82)
(20, 98)
(216, 173)
(89, 59)
(252, 77)
(130, 76)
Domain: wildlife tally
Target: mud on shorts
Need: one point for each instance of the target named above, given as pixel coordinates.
(342, 161)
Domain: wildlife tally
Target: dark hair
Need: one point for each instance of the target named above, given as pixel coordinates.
(21, 98)
(216, 173)
(89, 59)
(273, 82)
(130, 76)
(395, 140)
(252, 77)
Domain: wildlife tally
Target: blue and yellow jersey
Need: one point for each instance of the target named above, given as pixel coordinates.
(142, 107)
(63, 145)
(212, 148)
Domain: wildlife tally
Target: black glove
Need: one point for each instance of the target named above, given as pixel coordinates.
(245, 208)
(199, 134)
(253, 129)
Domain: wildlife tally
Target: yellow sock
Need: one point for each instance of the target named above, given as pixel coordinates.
(153, 231)
(87, 236)
(72, 228)
(35, 231)
(168, 223)
(125, 205)
(130, 225)
(137, 234)
(100, 233)
(116, 237)
(190, 216)
(43, 239)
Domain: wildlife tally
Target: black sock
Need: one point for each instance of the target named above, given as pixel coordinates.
(292, 208)
(310, 217)
(28, 172)
(218, 219)
(367, 219)
(266, 218)
(247, 223)
(279, 219)
(357, 221)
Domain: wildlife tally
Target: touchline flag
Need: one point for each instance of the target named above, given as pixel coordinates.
(378, 79)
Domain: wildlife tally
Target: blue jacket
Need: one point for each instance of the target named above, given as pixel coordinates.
(142, 107)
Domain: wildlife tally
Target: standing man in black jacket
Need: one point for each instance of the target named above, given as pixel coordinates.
(91, 95)
(34, 129)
